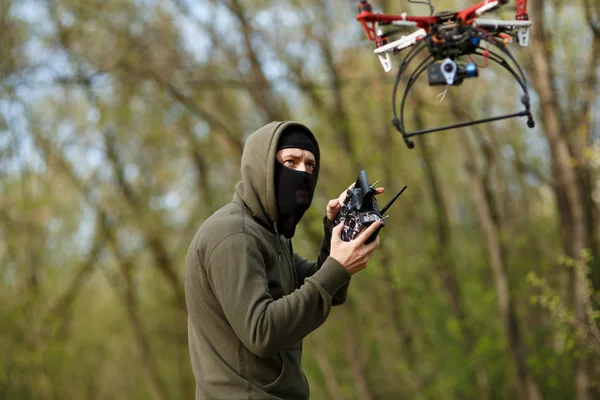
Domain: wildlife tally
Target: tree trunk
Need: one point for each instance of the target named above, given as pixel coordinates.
(585, 122)
(355, 357)
(444, 264)
(567, 190)
(333, 387)
(156, 243)
(526, 386)
(402, 330)
(403, 334)
(157, 385)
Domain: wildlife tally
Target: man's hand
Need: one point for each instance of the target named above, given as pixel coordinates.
(334, 205)
(355, 254)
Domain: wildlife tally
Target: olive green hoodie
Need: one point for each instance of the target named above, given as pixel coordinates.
(250, 299)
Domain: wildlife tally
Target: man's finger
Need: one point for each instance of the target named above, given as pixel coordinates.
(333, 203)
(343, 195)
(369, 248)
(366, 234)
(337, 230)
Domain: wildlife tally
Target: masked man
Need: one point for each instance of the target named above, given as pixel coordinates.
(251, 300)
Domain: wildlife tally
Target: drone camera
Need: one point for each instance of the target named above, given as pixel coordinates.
(450, 73)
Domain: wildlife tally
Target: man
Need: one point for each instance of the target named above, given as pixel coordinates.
(251, 300)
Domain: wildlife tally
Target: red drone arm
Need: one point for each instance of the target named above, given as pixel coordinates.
(368, 18)
(421, 22)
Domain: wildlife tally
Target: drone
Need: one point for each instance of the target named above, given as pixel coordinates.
(451, 38)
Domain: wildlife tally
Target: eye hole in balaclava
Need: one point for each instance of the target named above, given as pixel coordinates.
(294, 189)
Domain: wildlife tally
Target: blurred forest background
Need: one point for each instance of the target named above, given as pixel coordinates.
(121, 128)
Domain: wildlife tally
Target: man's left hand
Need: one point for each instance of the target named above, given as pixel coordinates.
(334, 205)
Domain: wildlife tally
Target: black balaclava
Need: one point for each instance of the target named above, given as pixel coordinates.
(294, 189)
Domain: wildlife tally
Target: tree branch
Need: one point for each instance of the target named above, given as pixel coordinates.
(592, 17)
(261, 91)
(156, 244)
(68, 297)
(157, 385)
(192, 106)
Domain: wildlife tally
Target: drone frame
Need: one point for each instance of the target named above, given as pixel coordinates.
(428, 37)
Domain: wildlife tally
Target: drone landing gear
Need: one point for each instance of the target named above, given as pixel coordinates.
(450, 73)
(411, 145)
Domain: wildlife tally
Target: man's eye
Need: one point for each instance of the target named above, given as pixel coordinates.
(310, 165)
(289, 162)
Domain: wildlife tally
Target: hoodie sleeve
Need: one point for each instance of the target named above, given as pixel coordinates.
(306, 268)
(237, 274)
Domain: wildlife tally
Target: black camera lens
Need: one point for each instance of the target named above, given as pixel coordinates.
(448, 67)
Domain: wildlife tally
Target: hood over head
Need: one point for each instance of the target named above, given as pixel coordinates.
(257, 187)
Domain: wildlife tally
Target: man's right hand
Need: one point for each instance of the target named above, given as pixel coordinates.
(355, 254)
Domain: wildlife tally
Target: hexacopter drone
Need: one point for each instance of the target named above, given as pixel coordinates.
(452, 38)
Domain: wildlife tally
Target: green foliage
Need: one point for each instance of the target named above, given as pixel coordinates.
(121, 129)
